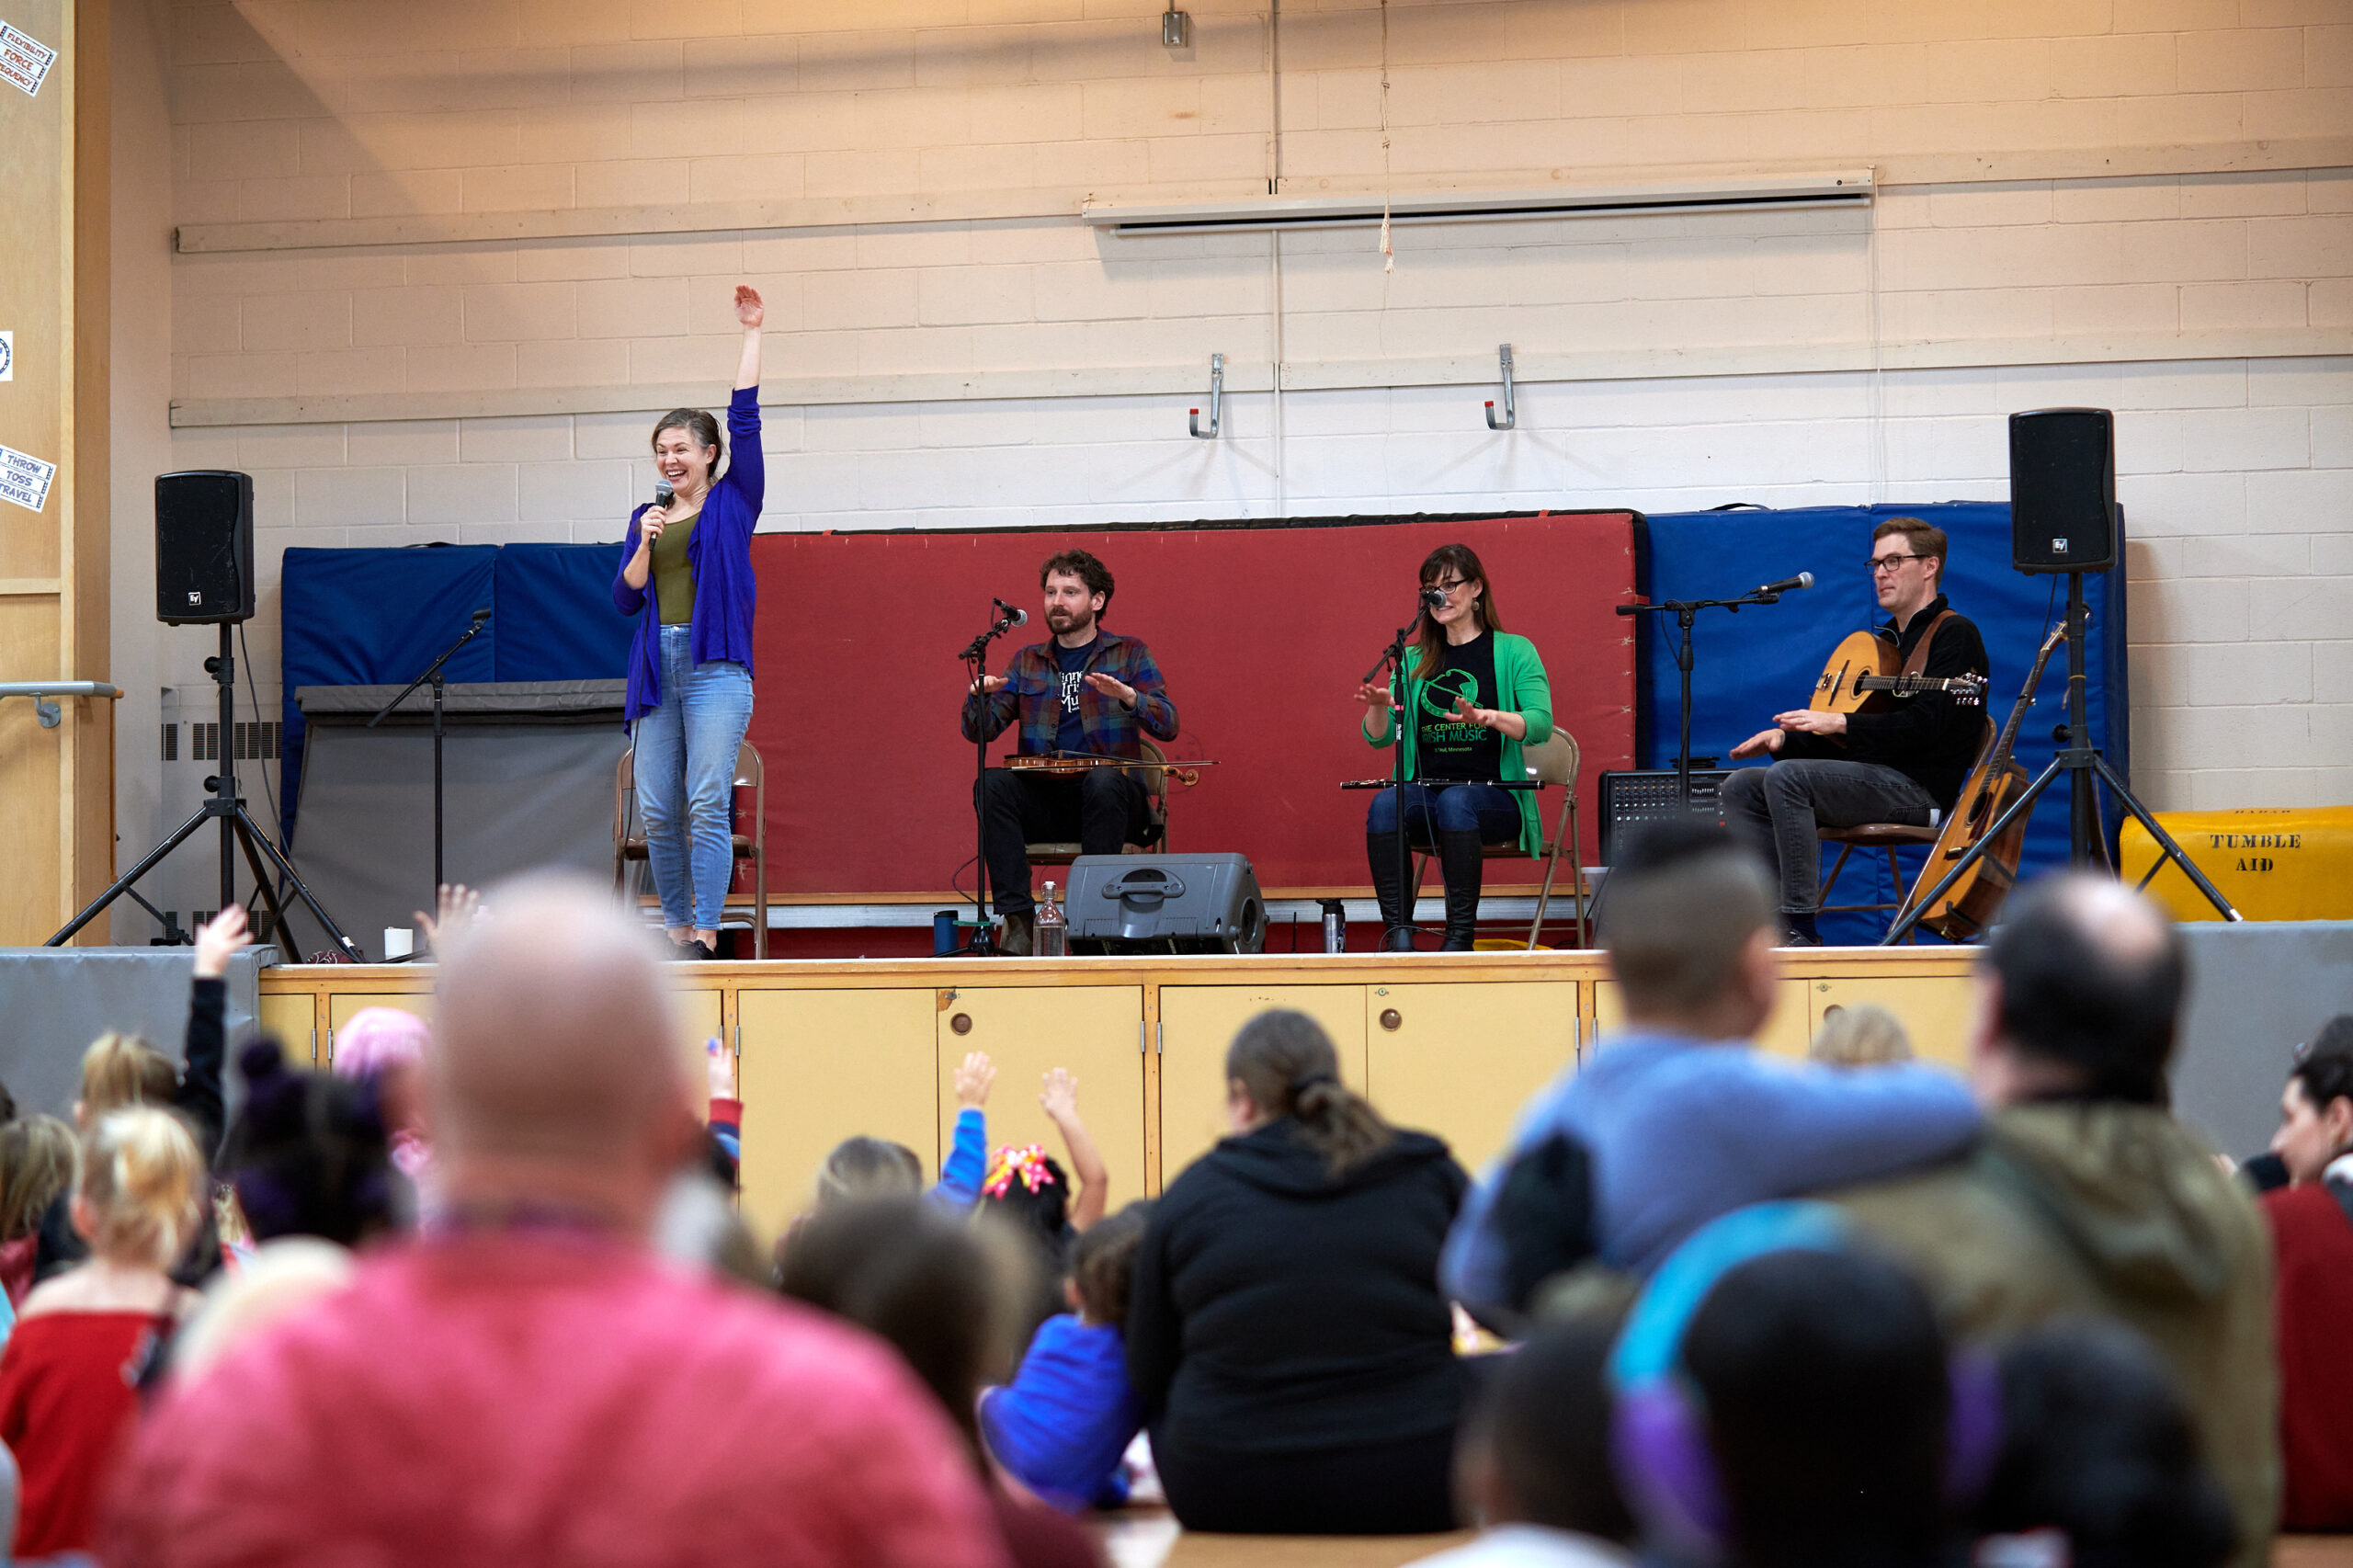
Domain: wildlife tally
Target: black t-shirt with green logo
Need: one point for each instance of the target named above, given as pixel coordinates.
(1445, 748)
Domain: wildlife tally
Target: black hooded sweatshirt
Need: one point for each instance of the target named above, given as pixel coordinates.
(1278, 1309)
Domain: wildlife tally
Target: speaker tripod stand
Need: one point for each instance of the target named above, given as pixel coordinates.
(2084, 768)
(238, 831)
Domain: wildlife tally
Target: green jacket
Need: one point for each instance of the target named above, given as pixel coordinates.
(1525, 691)
(2116, 1211)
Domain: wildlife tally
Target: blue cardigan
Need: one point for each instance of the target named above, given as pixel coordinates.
(721, 554)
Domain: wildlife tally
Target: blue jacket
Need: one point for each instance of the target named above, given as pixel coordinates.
(1070, 1412)
(1680, 1131)
(721, 554)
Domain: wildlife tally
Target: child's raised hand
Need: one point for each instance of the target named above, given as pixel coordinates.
(1061, 1097)
(217, 938)
(722, 1064)
(972, 1080)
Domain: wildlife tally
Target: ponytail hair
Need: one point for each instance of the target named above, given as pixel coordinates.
(1285, 1062)
(120, 1069)
(141, 1183)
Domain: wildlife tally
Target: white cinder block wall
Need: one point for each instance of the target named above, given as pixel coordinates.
(2138, 204)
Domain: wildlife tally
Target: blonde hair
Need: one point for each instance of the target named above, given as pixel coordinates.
(1862, 1035)
(37, 1163)
(142, 1185)
(121, 1070)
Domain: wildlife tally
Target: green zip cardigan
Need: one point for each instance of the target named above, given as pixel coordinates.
(1525, 691)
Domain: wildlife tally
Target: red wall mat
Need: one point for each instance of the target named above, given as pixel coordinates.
(1262, 630)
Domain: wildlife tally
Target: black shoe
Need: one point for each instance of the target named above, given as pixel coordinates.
(1463, 858)
(1381, 854)
(1013, 937)
(1397, 939)
(698, 949)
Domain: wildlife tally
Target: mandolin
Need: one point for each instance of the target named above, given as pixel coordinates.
(1968, 905)
(1060, 767)
(1864, 671)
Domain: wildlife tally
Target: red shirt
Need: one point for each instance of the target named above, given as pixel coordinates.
(2312, 1297)
(67, 1391)
(502, 1398)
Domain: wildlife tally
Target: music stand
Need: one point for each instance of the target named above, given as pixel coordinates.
(432, 674)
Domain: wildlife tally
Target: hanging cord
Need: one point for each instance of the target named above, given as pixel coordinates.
(1388, 251)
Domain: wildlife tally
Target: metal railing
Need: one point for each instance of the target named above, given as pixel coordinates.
(40, 691)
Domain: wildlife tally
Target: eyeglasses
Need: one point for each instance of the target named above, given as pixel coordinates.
(1880, 564)
(1447, 588)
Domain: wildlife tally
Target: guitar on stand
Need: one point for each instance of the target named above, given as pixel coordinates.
(1968, 907)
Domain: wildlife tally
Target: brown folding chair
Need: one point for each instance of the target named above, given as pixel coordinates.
(627, 847)
(1553, 765)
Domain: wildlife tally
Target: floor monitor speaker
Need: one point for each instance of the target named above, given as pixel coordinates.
(204, 547)
(2062, 490)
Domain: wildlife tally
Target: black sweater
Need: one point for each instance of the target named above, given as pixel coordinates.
(1930, 738)
(1276, 1310)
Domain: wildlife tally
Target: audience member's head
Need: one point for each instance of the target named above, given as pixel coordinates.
(1027, 1188)
(2085, 979)
(279, 1280)
(37, 1159)
(1535, 1446)
(907, 1272)
(388, 1047)
(867, 1168)
(307, 1153)
(121, 1070)
(2098, 1446)
(138, 1195)
(555, 1078)
(1103, 1262)
(1860, 1034)
(1687, 921)
(1785, 1401)
(1282, 1064)
(2316, 1107)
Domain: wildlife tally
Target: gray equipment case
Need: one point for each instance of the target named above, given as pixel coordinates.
(1174, 904)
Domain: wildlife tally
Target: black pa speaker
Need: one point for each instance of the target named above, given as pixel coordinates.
(1164, 903)
(2062, 490)
(204, 547)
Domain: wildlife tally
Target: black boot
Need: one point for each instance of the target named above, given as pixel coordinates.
(1382, 855)
(1461, 860)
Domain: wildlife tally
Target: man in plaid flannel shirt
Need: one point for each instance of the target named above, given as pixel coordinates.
(1088, 693)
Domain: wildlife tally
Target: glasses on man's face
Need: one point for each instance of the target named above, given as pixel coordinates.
(1883, 563)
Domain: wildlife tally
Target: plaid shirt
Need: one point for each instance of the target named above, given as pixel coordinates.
(1033, 688)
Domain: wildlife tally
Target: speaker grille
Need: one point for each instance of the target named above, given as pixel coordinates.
(2062, 490)
(204, 547)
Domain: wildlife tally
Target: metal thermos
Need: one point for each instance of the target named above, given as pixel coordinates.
(1335, 925)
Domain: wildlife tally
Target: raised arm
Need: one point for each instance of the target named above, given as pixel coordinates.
(206, 1041)
(1061, 1102)
(968, 1154)
(751, 312)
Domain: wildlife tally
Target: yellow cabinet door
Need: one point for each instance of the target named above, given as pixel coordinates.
(699, 1021)
(1094, 1030)
(292, 1017)
(819, 1066)
(1197, 1023)
(345, 1006)
(1787, 1031)
(1936, 1009)
(1460, 1060)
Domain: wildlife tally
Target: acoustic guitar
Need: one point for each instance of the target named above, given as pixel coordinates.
(1968, 906)
(1865, 672)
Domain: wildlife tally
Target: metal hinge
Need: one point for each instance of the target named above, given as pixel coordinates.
(739, 1040)
(1140, 1027)
(1159, 1038)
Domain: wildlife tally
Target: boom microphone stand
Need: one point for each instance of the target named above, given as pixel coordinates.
(1392, 659)
(238, 830)
(2083, 764)
(433, 673)
(976, 655)
(1686, 611)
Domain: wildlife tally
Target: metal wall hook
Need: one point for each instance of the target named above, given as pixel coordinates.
(1217, 400)
(1511, 408)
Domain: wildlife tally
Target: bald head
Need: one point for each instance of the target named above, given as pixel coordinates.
(557, 1044)
(2090, 977)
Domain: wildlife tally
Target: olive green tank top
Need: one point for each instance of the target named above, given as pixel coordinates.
(674, 574)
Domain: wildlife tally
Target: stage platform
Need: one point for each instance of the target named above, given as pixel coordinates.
(1454, 1042)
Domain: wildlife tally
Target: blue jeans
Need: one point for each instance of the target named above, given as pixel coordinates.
(686, 776)
(1453, 808)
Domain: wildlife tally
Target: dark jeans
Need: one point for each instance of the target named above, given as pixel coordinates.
(1450, 808)
(1103, 808)
(1779, 809)
(1380, 1489)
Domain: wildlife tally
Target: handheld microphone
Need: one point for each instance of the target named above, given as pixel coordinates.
(1787, 585)
(1435, 598)
(663, 495)
(1013, 613)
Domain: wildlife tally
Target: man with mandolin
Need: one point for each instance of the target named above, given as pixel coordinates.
(1899, 756)
(1086, 694)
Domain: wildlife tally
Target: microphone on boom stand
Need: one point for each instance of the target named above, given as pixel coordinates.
(1014, 615)
(1788, 584)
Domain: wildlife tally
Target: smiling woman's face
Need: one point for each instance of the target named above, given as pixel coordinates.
(679, 459)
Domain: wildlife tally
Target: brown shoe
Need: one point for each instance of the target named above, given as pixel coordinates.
(1013, 936)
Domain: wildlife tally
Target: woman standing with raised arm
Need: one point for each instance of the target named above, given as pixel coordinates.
(686, 575)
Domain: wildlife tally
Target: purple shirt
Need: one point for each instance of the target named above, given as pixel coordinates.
(720, 554)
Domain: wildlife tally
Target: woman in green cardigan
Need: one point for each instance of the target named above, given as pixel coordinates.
(1477, 694)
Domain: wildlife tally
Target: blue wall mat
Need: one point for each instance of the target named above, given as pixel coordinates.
(1748, 666)
(373, 617)
(555, 613)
